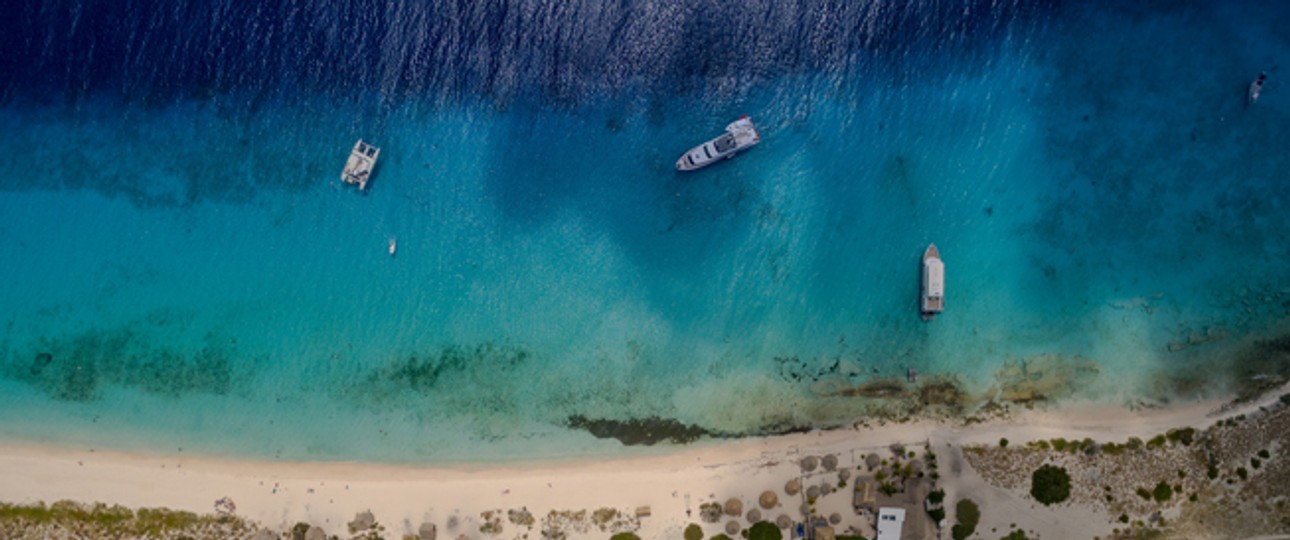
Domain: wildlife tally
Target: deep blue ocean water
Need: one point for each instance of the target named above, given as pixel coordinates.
(182, 269)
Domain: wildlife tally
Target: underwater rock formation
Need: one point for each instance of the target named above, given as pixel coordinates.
(1044, 377)
(639, 431)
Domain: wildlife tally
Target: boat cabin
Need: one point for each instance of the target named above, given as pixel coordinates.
(933, 284)
(361, 163)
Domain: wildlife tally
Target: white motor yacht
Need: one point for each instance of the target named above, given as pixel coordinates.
(740, 135)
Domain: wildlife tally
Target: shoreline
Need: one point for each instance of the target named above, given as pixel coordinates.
(329, 494)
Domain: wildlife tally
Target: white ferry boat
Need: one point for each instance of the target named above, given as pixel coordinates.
(932, 299)
(359, 166)
(740, 135)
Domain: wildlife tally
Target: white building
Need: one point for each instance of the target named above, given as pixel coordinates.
(890, 521)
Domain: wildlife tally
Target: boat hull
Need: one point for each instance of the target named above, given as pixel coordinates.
(740, 135)
(932, 290)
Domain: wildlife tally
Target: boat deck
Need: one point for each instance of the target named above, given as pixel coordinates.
(361, 163)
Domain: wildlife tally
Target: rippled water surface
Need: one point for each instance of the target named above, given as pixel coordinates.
(182, 267)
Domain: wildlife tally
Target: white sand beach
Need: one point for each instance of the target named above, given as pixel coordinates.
(673, 486)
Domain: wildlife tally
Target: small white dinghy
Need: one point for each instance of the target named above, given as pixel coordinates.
(932, 299)
(394, 246)
(1256, 88)
(359, 166)
(740, 135)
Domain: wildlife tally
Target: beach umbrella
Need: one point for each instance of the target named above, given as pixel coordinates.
(809, 463)
(792, 487)
(813, 492)
(844, 475)
(783, 521)
(835, 518)
(768, 499)
(753, 516)
(732, 527)
(317, 533)
(362, 521)
(830, 462)
(264, 534)
(427, 531)
(734, 507)
(872, 461)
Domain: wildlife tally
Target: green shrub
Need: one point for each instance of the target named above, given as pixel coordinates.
(1255, 463)
(1241, 472)
(1003, 443)
(1133, 443)
(1050, 484)
(721, 537)
(1212, 471)
(937, 514)
(1124, 518)
(1264, 454)
(1016, 535)
(694, 532)
(936, 496)
(625, 536)
(1162, 492)
(968, 515)
(1156, 442)
(1059, 444)
(1144, 493)
(1285, 398)
(764, 530)
(1193, 498)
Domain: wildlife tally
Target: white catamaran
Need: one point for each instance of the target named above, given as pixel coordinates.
(359, 166)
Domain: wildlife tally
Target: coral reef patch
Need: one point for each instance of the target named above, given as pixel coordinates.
(1044, 377)
(639, 431)
(77, 367)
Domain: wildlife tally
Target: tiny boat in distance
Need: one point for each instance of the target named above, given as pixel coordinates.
(932, 299)
(740, 135)
(1256, 88)
(358, 168)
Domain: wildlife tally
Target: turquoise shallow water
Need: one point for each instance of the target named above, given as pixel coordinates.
(184, 271)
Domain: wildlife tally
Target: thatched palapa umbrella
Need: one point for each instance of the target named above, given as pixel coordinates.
(768, 499)
(872, 461)
(830, 462)
(734, 507)
(793, 487)
(809, 463)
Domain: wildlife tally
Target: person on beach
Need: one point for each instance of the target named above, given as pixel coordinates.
(1256, 88)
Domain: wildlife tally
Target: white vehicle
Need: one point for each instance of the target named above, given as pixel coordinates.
(740, 135)
(933, 293)
(358, 168)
